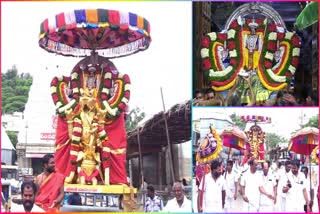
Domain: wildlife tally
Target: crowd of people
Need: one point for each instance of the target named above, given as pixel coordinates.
(285, 97)
(46, 194)
(260, 188)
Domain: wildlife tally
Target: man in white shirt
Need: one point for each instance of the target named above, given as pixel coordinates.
(283, 178)
(251, 187)
(270, 186)
(180, 203)
(213, 187)
(154, 203)
(295, 187)
(231, 187)
(28, 193)
(309, 185)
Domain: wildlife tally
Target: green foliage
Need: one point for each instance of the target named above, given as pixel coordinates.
(13, 137)
(133, 118)
(273, 140)
(237, 120)
(308, 16)
(313, 122)
(15, 90)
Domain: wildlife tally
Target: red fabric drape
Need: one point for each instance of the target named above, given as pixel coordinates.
(49, 191)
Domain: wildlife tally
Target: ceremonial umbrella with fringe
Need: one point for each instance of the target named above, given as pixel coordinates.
(111, 33)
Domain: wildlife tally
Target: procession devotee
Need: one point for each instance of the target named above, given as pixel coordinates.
(214, 190)
(295, 187)
(309, 185)
(28, 193)
(283, 178)
(252, 187)
(51, 188)
(154, 203)
(231, 187)
(270, 186)
(180, 203)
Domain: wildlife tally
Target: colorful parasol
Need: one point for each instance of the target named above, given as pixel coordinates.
(234, 137)
(304, 141)
(109, 32)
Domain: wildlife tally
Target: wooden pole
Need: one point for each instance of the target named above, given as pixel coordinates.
(168, 139)
(140, 160)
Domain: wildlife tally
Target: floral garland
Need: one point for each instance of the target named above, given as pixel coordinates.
(222, 79)
(273, 78)
(276, 78)
(58, 95)
(212, 150)
(122, 95)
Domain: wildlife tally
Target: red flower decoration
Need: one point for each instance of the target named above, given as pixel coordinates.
(233, 61)
(205, 42)
(104, 96)
(121, 106)
(288, 74)
(234, 24)
(54, 81)
(267, 64)
(295, 41)
(206, 64)
(280, 36)
(107, 83)
(231, 45)
(126, 78)
(272, 27)
(271, 46)
(127, 94)
(222, 36)
(295, 61)
(74, 84)
(76, 96)
(259, 21)
(55, 98)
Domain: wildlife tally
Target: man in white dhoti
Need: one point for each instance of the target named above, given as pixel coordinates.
(231, 187)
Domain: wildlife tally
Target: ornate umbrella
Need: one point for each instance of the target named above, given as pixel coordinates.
(234, 137)
(109, 32)
(304, 141)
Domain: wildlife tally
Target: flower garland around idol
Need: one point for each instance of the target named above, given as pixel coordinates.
(221, 77)
(121, 95)
(273, 78)
(277, 77)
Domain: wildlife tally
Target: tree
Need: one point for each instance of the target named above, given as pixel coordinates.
(133, 118)
(313, 122)
(15, 90)
(273, 140)
(237, 120)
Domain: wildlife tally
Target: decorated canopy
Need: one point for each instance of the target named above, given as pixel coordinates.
(304, 141)
(112, 33)
(234, 137)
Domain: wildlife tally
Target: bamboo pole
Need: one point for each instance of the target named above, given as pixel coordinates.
(168, 139)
